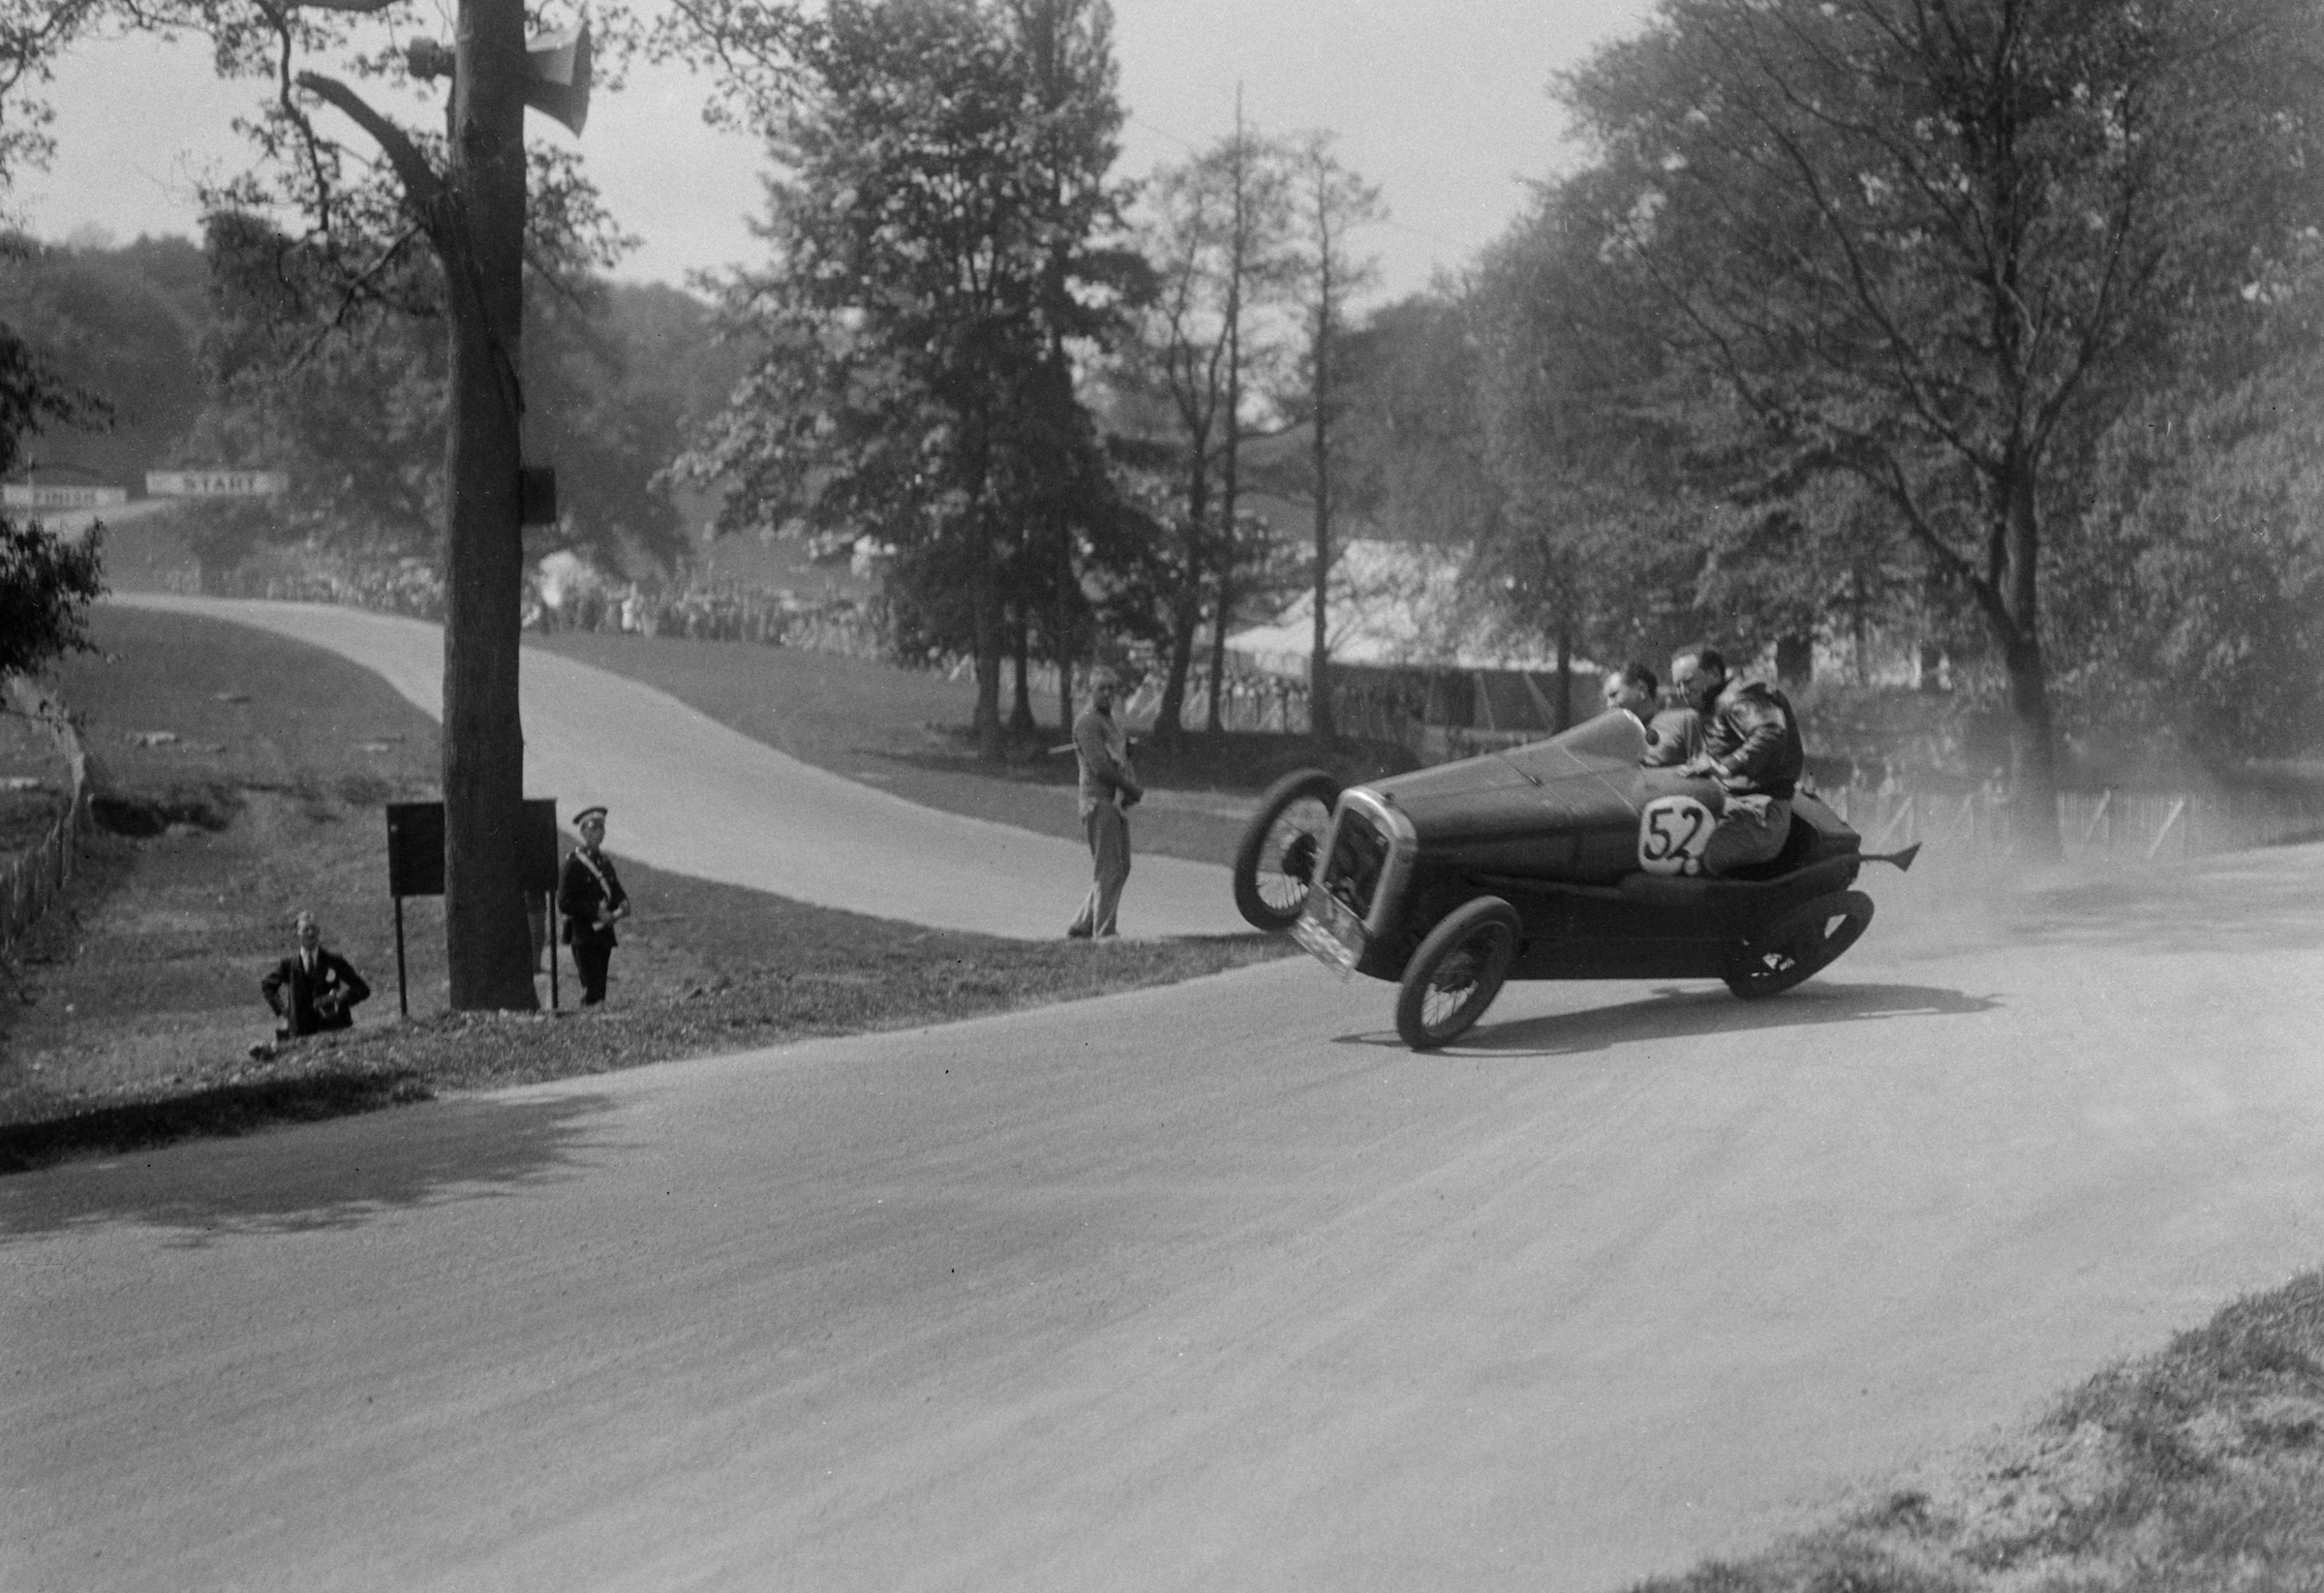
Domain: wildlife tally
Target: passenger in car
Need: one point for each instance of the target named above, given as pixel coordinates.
(1673, 735)
(1751, 747)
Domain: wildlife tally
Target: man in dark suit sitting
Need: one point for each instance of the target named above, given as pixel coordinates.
(312, 989)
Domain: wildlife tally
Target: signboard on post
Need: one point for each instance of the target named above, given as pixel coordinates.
(416, 866)
(43, 495)
(216, 483)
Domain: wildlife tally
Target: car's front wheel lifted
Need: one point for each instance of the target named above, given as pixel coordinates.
(1456, 972)
(1281, 849)
(1798, 944)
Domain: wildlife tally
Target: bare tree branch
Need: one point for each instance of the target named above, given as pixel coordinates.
(421, 185)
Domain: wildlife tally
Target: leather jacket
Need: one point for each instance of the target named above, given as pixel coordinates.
(1752, 737)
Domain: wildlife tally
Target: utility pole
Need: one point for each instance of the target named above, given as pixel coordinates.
(488, 942)
(474, 214)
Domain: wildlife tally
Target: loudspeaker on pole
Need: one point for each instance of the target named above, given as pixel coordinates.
(557, 75)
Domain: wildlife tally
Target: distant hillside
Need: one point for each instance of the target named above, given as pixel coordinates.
(127, 324)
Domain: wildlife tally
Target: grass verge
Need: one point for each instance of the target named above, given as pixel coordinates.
(243, 777)
(2197, 1470)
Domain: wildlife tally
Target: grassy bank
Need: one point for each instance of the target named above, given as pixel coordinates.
(244, 776)
(2197, 1470)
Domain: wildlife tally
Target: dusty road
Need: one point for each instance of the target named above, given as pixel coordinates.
(1212, 1287)
(691, 796)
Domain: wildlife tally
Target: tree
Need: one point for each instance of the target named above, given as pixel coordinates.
(1940, 247)
(463, 196)
(47, 584)
(941, 240)
(1332, 203)
(121, 323)
(32, 33)
(2189, 596)
(1218, 232)
(1594, 534)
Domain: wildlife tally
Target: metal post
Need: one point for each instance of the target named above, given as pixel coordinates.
(2105, 800)
(2160, 836)
(552, 900)
(403, 993)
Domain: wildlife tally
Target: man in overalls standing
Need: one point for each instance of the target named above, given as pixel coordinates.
(1109, 790)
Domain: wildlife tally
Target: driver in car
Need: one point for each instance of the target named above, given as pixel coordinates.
(1751, 747)
(1673, 735)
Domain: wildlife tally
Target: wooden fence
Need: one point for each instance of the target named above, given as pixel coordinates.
(36, 875)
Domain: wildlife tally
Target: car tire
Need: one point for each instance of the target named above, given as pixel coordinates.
(1798, 945)
(1456, 972)
(1281, 849)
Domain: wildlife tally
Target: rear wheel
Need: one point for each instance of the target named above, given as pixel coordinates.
(1456, 972)
(1798, 944)
(1282, 847)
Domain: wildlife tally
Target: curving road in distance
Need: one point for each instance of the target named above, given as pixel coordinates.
(691, 796)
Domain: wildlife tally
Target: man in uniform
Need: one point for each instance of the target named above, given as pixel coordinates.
(1751, 747)
(1109, 790)
(312, 989)
(590, 898)
(1673, 735)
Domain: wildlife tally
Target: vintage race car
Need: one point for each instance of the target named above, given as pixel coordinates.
(1559, 860)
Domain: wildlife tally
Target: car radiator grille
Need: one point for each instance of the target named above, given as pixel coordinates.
(1359, 855)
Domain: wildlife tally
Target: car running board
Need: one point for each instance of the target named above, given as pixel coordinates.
(1903, 860)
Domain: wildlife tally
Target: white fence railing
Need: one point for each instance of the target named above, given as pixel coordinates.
(2109, 825)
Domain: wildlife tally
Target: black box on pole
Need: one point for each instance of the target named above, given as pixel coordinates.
(415, 848)
(416, 866)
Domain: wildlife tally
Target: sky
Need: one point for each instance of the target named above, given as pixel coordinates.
(1443, 105)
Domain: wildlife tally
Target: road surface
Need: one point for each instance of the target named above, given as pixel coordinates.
(1198, 1288)
(692, 797)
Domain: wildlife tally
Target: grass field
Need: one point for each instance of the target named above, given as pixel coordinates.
(244, 776)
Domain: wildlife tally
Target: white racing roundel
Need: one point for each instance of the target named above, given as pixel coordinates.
(1672, 833)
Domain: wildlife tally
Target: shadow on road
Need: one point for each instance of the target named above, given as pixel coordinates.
(1674, 1014)
(330, 1178)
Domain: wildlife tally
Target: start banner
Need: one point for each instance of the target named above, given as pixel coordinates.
(216, 483)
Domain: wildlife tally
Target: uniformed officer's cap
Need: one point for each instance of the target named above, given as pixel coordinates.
(588, 813)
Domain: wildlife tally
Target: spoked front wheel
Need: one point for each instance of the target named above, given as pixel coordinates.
(1798, 944)
(1282, 849)
(1456, 972)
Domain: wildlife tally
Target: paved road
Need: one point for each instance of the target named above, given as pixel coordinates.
(1213, 1287)
(693, 797)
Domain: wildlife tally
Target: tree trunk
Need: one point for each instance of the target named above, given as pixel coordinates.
(488, 940)
(1186, 618)
(1320, 724)
(1063, 637)
(1213, 721)
(984, 610)
(1170, 714)
(1020, 708)
(2032, 745)
(1565, 680)
(1794, 662)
